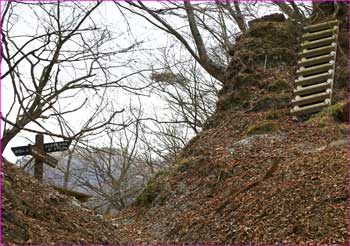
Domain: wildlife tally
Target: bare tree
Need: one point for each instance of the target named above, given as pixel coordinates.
(113, 174)
(214, 20)
(235, 12)
(56, 67)
(189, 95)
(160, 143)
(292, 9)
(301, 11)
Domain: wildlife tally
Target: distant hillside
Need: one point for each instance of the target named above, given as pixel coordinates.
(89, 173)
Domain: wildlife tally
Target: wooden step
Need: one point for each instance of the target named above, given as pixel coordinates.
(316, 60)
(318, 35)
(318, 43)
(321, 26)
(314, 79)
(318, 51)
(300, 91)
(298, 100)
(315, 69)
(297, 110)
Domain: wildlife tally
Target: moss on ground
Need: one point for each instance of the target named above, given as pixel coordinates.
(278, 85)
(272, 101)
(153, 192)
(273, 115)
(182, 164)
(261, 128)
(235, 99)
(336, 113)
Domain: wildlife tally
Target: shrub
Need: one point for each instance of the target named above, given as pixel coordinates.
(278, 85)
(153, 192)
(272, 101)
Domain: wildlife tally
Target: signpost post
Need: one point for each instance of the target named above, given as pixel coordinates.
(39, 163)
(39, 152)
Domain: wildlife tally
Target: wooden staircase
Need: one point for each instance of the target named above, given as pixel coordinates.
(314, 83)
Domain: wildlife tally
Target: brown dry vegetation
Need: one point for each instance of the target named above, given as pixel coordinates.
(34, 213)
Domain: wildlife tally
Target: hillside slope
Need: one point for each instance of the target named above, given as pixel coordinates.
(255, 175)
(35, 213)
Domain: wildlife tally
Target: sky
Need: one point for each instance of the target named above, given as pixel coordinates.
(107, 15)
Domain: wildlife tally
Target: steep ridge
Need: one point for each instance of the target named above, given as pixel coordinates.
(255, 175)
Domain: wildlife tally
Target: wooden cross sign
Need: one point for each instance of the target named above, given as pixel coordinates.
(39, 150)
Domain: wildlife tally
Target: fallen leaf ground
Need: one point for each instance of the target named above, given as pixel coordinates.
(34, 213)
(303, 201)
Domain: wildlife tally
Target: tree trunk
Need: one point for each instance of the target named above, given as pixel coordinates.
(8, 135)
(329, 10)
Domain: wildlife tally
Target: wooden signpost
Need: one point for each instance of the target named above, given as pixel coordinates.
(39, 152)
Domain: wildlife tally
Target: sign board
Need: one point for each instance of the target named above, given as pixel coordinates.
(38, 154)
(48, 148)
(19, 151)
(56, 146)
(39, 150)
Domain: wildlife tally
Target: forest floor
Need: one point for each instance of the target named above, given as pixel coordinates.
(284, 187)
(34, 213)
(287, 186)
(255, 174)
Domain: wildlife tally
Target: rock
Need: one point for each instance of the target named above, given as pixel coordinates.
(342, 113)
(341, 77)
(232, 100)
(276, 17)
(336, 113)
(271, 40)
(338, 144)
(247, 79)
(249, 140)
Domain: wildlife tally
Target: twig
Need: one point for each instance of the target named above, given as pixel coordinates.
(267, 175)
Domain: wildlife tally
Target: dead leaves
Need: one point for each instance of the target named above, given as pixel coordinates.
(35, 214)
(271, 192)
